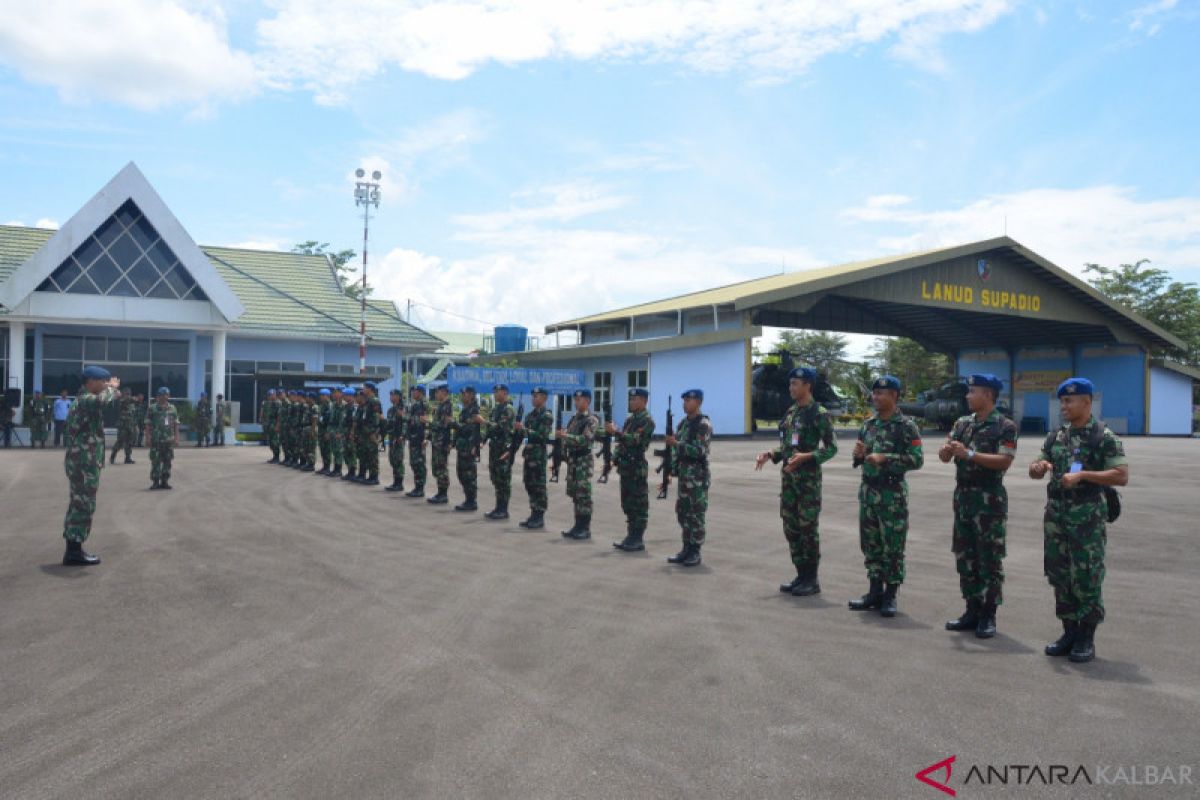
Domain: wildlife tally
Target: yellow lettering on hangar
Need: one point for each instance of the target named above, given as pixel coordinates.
(986, 298)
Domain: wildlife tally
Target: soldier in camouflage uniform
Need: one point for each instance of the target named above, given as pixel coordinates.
(337, 409)
(324, 436)
(888, 446)
(538, 430)
(418, 421)
(632, 442)
(466, 447)
(1084, 458)
(84, 459)
(499, 430)
(806, 441)
(311, 421)
(270, 424)
(127, 423)
(287, 401)
(299, 418)
(349, 444)
(982, 445)
(396, 424)
(370, 420)
(577, 438)
(224, 412)
(441, 431)
(203, 420)
(37, 416)
(162, 432)
(691, 441)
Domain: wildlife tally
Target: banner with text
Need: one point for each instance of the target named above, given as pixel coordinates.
(520, 381)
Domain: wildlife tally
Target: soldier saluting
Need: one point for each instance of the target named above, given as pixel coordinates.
(84, 459)
(982, 445)
(632, 443)
(806, 441)
(888, 446)
(1083, 457)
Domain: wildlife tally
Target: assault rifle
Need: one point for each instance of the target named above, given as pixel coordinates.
(518, 436)
(606, 446)
(556, 455)
(667, 465)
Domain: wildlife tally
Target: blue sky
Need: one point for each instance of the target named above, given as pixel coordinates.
(546, 160)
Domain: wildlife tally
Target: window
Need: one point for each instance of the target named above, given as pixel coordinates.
(638, 379)
(292, 366)
(169, 351)
(601, 391)
(125, 257)
(339, 369)
(68, 347)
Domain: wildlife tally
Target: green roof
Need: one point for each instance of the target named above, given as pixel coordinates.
(284, 294)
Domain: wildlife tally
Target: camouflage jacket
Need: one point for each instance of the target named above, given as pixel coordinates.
(38, 409)
(1068, 446)
(581, 432)
(442, 425)
(500, 430)
(805, 429)
(372, 417)
(466, 433)
(996, 434)
(539, 432)
(85, 426)
(899, 438)
(693, 436)
(634, 439)
(162, 422)
(396, 422)
(416, 428)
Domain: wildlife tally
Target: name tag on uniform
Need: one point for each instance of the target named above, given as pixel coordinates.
(1076, 466)
(795, 440)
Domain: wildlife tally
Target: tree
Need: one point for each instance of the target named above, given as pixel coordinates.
(341, 264)
(1150, 293)
(820, 349)
(917, 368)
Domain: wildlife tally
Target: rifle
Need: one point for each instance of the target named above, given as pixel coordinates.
(477, 431)
(556, 456)
(667, 465)
(857, 462)
(606, 447)
(518, 437)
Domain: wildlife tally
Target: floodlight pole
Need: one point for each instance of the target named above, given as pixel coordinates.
(366, 194)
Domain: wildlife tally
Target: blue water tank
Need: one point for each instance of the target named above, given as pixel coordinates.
(511, 338)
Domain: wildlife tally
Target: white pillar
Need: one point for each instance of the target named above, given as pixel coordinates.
(16, 365)
(218, 373)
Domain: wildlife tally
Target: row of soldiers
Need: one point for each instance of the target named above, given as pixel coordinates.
(347, 426)
(1084, 458)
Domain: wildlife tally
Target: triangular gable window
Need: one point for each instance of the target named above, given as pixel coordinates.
(124, 257)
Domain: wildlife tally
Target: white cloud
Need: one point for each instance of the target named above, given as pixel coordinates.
(1100, 224)
(1147, 19)
(328, 47)
(142, 53)
(44, 222)
(258, 244)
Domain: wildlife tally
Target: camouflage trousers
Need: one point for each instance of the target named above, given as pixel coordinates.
(500, 473)
(979, 542)
(38, 432)
(800, 509)
(534, 477)
(350, 451)
(161, 455)
(883, 531)
(336, 443)
(325, 442)
(579, 482)
(440, 454)
(466, 470)
(635, 493)
(126, 438)
(202, 429)
(83, 476)
(273, 440)
(308, 446)
(368, 455)
(691, 503)
(416, 462)
(396, 458)
(1075, 537)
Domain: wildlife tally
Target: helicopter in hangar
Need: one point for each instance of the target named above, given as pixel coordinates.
(769, 398)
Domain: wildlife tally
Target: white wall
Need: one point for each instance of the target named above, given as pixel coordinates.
(1170, 403)
(718, 369)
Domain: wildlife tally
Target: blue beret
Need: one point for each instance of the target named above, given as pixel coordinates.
(370, 385)
(348, 390)
(163, 390)
(204, 394)
(639, 393)
(270, 392)
(325, 392)
(420, 387)
(1076, 386)
(440, 385)
(467, 388)
(500, 386)
(584, 393)
(886, 382)
(806, 374)
(539, 390)
(693, 394)
(96, 374)
(985, 379)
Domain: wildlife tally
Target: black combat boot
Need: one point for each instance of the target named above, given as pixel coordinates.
(163, 484)
(76, 556)
(397, 485)
(1084, 648)
(274, 459)
(535, 522)
(808, 582)
(349, 476)
(570, 532)
(468, 504)
(439, 499)
(872, 599)
(129, 460)
(1062, 646)
(887, 607)
(154, 485)
(681, 556)
(969, 620)
(585, 528)
(372, 478)
(787, 588)
(418, 491)
(692, 558)
(986, 627)
(113, 458)
(633, 540)
(308, 467)
(500, 512)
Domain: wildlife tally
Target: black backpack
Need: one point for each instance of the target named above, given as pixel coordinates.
(1111, 496)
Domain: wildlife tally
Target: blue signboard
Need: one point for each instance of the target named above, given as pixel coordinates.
(519, 380)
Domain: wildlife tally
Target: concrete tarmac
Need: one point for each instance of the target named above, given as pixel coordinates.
(261, 632)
